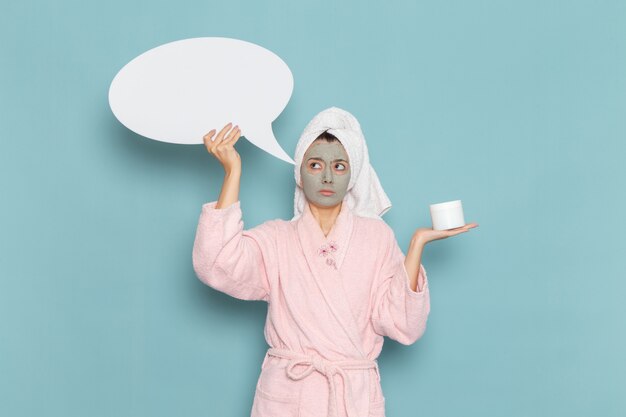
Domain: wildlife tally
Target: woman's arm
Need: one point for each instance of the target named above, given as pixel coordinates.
(420, 238)
(225, 256)
(230, 189)
(412, 262)
(230, 259)
(399, 312)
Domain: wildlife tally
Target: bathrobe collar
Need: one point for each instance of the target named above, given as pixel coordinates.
(332, 248)
(325, 255)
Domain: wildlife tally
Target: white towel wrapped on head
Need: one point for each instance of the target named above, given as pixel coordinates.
(365, 196)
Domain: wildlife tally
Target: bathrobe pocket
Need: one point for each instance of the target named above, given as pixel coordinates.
(268, 405)
(276, 394)
(377, 408)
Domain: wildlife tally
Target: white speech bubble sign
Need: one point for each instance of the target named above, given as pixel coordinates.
(179, 91)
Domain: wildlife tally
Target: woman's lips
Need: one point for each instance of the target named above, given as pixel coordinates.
(327, 192)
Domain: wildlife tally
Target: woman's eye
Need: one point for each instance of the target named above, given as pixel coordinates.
(315, 165)
(340, 167)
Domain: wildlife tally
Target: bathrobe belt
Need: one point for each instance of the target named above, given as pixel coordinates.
(328, 369)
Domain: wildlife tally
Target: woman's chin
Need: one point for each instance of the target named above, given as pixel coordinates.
(324, 205)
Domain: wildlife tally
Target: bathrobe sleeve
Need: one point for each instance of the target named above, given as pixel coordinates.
(399, 312)
(230, 259)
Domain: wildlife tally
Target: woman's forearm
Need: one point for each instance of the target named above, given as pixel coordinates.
(230, 189)
(412, 262)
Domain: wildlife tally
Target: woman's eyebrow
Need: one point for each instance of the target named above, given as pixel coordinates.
(320, 159)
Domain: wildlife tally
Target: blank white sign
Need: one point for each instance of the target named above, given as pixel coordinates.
(179, 91)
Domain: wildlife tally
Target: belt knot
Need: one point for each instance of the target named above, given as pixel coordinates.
(328, 369)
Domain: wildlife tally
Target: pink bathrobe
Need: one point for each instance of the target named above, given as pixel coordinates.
(331, 300)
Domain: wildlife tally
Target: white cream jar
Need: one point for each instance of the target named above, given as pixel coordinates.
(447, 215)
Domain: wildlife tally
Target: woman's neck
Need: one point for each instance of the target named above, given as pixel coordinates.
(325, 216)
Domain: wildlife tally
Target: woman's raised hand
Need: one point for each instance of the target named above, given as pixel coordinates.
(223, 147)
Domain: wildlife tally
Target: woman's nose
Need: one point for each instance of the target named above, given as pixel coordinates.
(327, 177)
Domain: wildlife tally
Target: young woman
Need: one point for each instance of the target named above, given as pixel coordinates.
(334, 277)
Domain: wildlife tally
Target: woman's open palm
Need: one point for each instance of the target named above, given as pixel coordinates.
(427, 234)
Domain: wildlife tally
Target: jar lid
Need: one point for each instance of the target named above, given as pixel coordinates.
(446, 206)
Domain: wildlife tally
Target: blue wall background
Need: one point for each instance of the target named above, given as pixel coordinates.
(517, 108)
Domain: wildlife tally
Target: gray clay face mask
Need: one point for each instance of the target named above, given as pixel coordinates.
(325, 167)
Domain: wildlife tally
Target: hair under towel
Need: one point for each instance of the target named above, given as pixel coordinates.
(365, 196)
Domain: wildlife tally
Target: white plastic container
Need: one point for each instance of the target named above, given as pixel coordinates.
(447, 215)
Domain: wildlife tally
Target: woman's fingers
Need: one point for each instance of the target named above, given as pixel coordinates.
(461, 229)
(466, 226)
(226, 146)
(212, 144)
(231, 135)
(233, 139)
(222, 146)
(457, 230)
(428, 234)
(236, 138)
(208, 139)
(220, 137)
